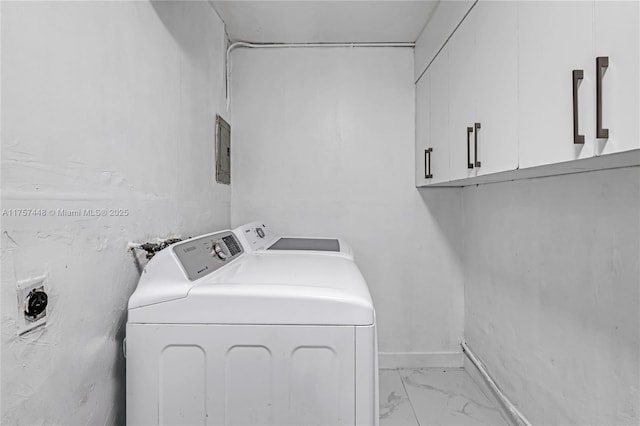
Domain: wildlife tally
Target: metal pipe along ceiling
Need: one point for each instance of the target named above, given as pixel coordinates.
(292, 45)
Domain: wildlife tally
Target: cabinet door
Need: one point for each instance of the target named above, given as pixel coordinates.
(462, 95)
(423, 124)
(616, 37)
(554, 38)
(439, 106)
(497, 86)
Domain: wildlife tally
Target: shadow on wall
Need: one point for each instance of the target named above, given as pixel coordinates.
(552, 296)
(119, 366)
(445, 207)
(186, 32)
(443, 267)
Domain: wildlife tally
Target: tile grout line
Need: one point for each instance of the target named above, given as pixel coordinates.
(415, 416)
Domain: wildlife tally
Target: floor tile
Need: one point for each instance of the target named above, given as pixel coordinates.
(448, 397)
(395, 408)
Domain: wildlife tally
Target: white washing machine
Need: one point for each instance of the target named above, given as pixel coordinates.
(256, 236)
(221, 332)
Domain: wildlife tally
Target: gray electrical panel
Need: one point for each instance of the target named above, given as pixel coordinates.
(223, 151)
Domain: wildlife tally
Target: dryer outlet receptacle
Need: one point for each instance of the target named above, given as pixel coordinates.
(32, 304)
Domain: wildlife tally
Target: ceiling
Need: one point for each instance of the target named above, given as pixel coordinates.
(324, 21)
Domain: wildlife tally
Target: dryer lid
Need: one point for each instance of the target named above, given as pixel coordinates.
(259, 288)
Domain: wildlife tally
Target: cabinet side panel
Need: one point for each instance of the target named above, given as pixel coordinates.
(442, 23)
(439, 110)
(423, 123)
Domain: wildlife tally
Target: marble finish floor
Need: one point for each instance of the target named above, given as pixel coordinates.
(434, 396)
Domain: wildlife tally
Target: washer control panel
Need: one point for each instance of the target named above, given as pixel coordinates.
(202, 256)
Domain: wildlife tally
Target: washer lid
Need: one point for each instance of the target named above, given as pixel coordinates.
(264, 289)
(314, 244)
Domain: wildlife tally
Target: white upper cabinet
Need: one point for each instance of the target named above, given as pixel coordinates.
(617, 38)
(423, 125)
(445, 18)
(496, 85)
(483, 89)
(432, 124)
(463, 85)
(522, 84)
(554, 39)
(439, 125)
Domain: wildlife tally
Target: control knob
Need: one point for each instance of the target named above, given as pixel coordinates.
(216, 249)
(260, 232)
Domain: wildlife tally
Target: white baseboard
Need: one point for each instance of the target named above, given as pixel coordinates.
(392, 360)
(478, 372)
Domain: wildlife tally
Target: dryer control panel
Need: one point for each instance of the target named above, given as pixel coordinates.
(204, 255)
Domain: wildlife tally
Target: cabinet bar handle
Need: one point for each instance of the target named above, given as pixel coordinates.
(469, 163)
(427, 163)
(601, 62)
(475, 143)
(577, 76)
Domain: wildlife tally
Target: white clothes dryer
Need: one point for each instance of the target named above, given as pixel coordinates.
(220, 333)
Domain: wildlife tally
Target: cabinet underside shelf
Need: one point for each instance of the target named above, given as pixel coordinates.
(604, 162)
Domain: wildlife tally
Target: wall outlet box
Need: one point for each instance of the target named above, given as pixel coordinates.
(32, 304)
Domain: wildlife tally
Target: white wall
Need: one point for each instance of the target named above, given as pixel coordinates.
(104, 105)
(323, 145)
(552, 293)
